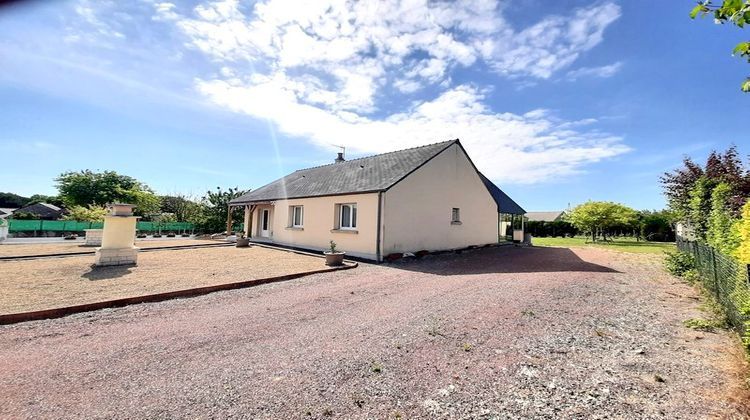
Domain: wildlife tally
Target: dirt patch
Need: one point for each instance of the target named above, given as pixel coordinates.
(23, 249)
(495, 333)
(31, 285)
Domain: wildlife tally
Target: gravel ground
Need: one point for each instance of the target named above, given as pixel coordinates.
(29, 285)
(22, 249)
(492, 333)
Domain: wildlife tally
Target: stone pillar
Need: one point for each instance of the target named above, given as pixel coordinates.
(248, 223)
(118, 237)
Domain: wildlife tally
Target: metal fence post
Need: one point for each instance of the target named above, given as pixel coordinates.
(716, 275)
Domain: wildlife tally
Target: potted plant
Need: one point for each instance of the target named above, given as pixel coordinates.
(333, 256)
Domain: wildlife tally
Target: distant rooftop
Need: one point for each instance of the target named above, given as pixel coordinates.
(544, 216)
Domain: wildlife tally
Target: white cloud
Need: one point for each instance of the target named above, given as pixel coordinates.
(601, 72)
(165, 11)
(525, 148)
(552, 44)
(374, 76)
(319, 70)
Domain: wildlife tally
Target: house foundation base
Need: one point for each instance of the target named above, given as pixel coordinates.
(116, 256)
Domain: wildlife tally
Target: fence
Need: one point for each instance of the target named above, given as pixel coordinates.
(77, 226)
(726, 279)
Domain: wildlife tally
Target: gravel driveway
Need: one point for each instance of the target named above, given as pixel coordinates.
(492, 333)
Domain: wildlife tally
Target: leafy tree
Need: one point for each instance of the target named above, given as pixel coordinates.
(598, 217)
(23, 215)
(183, 208)
(699, 205)
(214, 205)
(742, 231)
(86, 213)
(84, 188)
(656, 225)
(10, 200)
(720, 233)
(49, 199)
(678, 184)
(736, 12)
(727, 167)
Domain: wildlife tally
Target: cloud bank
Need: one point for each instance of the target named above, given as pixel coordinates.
(331, 71)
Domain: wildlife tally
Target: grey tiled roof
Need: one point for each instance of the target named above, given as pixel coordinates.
(368, 174)
(544, 216)
(504, 203)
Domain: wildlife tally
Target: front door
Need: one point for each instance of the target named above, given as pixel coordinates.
(264, 223)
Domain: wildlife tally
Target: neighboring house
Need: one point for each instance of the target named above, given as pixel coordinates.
(44, 211)
(6, 212)
(426, 198)
(545, 216)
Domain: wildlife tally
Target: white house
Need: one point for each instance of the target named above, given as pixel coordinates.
(425, 198)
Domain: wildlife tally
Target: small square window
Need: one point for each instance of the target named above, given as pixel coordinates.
(456, 215)
(296, 215)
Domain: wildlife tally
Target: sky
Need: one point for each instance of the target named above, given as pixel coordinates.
(556, 102)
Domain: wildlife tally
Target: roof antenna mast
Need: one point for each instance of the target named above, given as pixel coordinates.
(340, 158)
(343, 149)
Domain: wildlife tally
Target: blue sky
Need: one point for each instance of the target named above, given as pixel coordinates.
(557, 102)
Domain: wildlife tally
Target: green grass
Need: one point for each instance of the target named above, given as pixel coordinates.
(619, 244)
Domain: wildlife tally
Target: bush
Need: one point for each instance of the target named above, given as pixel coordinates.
(679, 263)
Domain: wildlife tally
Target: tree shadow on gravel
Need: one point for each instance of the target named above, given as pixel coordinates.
(502, 260)
(107, 272)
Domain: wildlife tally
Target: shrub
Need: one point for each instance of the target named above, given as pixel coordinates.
(679, 263)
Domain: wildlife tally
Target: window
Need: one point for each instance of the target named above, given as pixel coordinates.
(456, 216)
(295, 216)
(347, 216)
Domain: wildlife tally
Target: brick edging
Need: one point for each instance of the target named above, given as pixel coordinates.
(157, 297)
(78, 254)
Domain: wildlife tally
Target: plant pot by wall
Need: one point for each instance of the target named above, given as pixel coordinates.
(334, 258)
(242, 242)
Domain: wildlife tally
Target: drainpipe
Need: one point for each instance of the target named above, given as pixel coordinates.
(378, 257)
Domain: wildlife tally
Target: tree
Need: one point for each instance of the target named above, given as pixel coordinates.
(736, 12)
(49, 199)
(86, 214)
(699, 205)
(720, 233)
(10, 200)
(24, 215)
(693, 206)
(84, 188)
(183, 208)
(678, 184)
(742, 231)
(656, 225)
(598, 217)
(214, 209)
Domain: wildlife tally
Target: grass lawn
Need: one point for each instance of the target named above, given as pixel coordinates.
(620, 244)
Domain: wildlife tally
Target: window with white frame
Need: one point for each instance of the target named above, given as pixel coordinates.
(456, 215)
(296, 215)
(347, 216)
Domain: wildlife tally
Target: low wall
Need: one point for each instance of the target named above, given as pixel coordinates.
(94, 237)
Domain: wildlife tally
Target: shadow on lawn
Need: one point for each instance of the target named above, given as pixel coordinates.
(503, 260)
(107, 273)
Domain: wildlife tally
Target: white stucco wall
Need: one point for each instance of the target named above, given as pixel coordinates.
(318, 223)
(417, 210)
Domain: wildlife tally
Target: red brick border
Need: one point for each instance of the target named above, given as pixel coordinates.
(157, 297)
